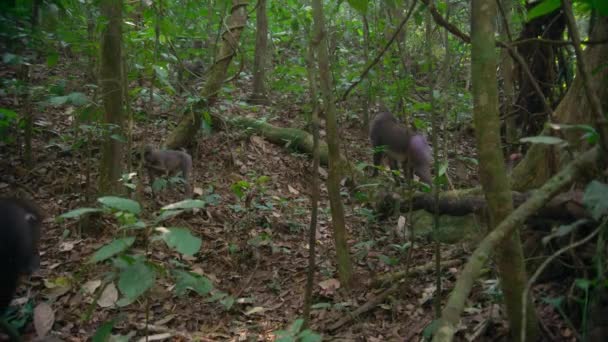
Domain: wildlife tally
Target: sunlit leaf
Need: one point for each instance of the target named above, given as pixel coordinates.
(115, 247)
(119, 203)
(181, 239)
(545, 7)
(135, 280)
(185, 204)
(79, 212)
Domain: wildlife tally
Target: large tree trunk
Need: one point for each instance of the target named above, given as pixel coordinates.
(540, 58)
(335, 165)
(492, 170)
(110, 77)
(259, 62)
(543, 161)
(186, 130)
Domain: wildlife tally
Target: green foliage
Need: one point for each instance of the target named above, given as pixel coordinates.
(120, 204)
(104, 332)
(7, 119)
(191, 281)
(596, 199)
(113, 248)
(181, 240)
(137, 274)
(134, 281)
(296, 333)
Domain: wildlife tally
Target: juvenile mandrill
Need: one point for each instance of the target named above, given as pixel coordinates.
(401, 145)
(19, 234)
(168, 162)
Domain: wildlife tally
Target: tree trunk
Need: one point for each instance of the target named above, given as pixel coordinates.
(506, 69)
(259, 61)
(492, 170)
(110, 76)
(543, 161)
(185, 132)
(335, 165)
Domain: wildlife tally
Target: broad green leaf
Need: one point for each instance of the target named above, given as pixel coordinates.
(359, 5)
(596, 199)
(186, 204)
(545, 7)
(308, 335)
(103, 333)
(191, 281)
(135, 280)
(296, 326)
(119, 203)
(58, 100)
(543, 139)
(52, 59)
(167, 214)
(181, 240)
(115, 247)
(79, 212)
(7, 116)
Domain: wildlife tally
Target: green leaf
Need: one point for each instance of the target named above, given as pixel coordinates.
(135, 280)
(7, 116)
(296, 326)
(102, 334)
(181, 240)
(596, 199)
(359, 5)
(167, 214)
(115, 247)
(58, 100)
(543, 139)
(191, 281)
(186, 204)
(52, 59)
(601, 6)
(309, 336)
(119, 203)
(79, 212)
(159, 184)
(543, 8)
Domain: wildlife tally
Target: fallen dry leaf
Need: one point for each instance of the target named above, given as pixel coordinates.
(44, 318)
(108, 297)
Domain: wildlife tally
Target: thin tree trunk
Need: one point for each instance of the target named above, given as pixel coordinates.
(110, 76)
(259, 95)
(314, 184)
(506, 69)
(185, 132)
(492, 169)
(335, 165)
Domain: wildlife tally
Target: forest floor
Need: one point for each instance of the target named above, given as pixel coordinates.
(255, 249)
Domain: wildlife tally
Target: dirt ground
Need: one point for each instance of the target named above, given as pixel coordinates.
(258, 254)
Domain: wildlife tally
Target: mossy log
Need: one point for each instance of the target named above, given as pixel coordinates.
(284, 136)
